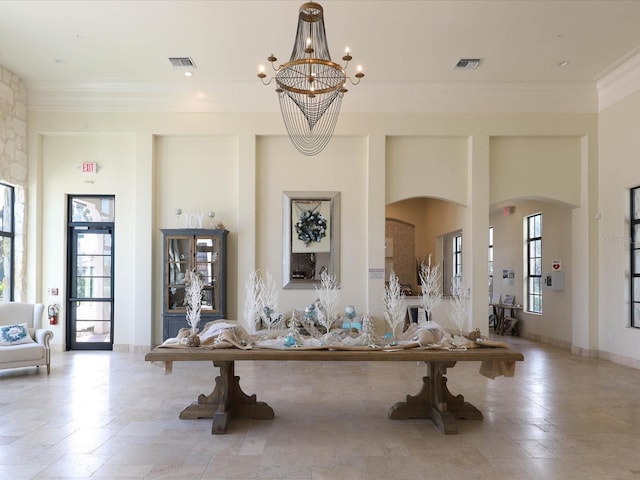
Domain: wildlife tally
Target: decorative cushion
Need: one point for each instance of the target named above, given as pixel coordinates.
(15, 335)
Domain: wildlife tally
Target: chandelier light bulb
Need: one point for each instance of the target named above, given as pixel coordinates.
(346, 50)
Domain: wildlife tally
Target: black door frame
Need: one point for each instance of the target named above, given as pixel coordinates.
(75, 228)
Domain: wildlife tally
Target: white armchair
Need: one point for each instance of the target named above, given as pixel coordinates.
(24, 342)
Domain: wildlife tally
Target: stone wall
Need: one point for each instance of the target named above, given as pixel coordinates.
(13, 161)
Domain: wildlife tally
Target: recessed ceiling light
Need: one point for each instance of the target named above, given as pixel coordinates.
(563, 63)
(188, 74)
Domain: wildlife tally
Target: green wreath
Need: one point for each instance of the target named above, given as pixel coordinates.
(311, 227)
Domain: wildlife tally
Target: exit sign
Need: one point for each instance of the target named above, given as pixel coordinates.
(89, 167)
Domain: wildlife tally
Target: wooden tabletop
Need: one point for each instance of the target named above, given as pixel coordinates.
(164, 354)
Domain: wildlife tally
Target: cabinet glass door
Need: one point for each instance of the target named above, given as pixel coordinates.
(179, 257)
(207, 264)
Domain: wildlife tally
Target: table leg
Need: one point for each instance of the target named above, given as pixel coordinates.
(436, 402)
(500, 326)
(226, 401)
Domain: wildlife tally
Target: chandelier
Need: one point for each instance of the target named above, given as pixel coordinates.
(310, 85)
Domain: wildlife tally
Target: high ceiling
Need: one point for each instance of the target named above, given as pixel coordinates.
(114, 54)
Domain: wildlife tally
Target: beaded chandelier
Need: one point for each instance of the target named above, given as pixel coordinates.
(310, 85)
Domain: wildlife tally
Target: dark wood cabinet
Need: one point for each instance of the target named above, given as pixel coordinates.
(184, 250)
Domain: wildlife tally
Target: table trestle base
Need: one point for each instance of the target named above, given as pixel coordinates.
(227, 401)
(435, 402)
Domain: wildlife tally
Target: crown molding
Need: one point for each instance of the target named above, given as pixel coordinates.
(619, 84)
(368, 97)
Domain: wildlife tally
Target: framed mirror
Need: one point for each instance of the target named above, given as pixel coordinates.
(311, 227)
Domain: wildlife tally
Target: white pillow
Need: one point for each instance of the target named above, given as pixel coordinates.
(14, 335)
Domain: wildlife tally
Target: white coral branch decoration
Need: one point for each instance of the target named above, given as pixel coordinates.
(394, 309)
(328, 297)
(268, 302)
(269, 293)
(252, 301)
(459, 307)
(193, 299)
(430, 284)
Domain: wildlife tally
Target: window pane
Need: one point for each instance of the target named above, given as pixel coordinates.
(537, 304)
(94, 265)
(536, 285)
(5, 269)
(539, 225)
(636, 202)
(490, 236)
(636, 315)
(92, 209)
(92, 243)
(538, 267)
(636, 261)
(179, 249)
(176, 297)
(208, 299)
(635, 281)
(93, 321)
(93, 287)
(636, 234)
(6, 208)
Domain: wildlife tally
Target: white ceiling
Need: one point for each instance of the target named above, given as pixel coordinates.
(113, 55)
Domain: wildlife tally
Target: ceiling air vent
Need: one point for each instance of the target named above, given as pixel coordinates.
(467, 63)
(182, 62)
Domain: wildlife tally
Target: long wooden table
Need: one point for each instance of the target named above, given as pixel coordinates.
(434, 401)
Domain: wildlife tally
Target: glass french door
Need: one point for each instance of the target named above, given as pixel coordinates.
(90, 304)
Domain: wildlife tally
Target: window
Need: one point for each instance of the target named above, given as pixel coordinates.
(490, 263)
(534, 263)
(7, 239)
(451, 260)
(635, 257)
(457, 256)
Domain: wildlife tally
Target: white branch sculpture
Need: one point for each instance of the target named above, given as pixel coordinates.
(268, 302)
(430, 284)
(394, 309)
(193, 299)
(328, 297)
(459, 307)
(252, 301)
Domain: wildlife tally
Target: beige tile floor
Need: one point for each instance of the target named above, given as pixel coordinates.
(103, 415)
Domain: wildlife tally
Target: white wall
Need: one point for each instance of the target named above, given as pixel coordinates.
(197, 174)
(255, 163)
(340, 167)
(535, 167)
(553, 325)
(417, 165)
(619, 170)
(61, 156)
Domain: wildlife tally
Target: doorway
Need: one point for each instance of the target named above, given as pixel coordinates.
(90, 266)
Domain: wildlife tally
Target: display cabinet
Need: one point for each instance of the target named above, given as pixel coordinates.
(186, 249)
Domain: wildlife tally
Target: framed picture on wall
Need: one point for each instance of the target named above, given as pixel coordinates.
(311, 222)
